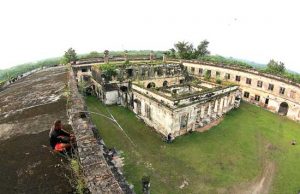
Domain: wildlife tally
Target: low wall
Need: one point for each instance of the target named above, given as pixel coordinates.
(99, 173)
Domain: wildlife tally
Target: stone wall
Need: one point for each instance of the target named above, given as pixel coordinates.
(259, 95)
(100, 175)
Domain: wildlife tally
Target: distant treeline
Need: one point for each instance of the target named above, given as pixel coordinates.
(136, 53)
(15, 71)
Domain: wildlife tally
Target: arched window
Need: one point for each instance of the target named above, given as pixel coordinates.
(151, 85)
(165, 83)
(283, 108)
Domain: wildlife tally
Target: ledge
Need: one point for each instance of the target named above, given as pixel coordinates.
(100, 176)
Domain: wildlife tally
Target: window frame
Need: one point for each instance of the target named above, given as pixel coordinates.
(281, 90)
(271, 88)
(248, 94)
(257, 98)
(248, 81)
(259, 84)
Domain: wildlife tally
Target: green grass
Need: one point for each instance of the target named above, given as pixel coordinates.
(226, 155)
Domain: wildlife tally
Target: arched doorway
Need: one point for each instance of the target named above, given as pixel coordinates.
(283, 109)
(151, 85)
(165, 83)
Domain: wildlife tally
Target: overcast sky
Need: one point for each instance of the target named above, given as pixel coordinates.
(255, 30)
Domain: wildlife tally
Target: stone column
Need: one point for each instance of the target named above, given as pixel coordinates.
(209, 109)
(126, 55)
(225, 107)
(216, 106)
(151, 56)
(221, 106)
(164, 58)
(106, 56)
(202, 111)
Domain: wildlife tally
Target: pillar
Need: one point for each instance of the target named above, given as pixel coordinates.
(209, 109)
(106, 56)
(126, 55)
(202, 111)
(221, 106)
(216, 106)
(164, 58)
(151, 56)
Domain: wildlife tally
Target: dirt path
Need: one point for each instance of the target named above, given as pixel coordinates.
(262, 183)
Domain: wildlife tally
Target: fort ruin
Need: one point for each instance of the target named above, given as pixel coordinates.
(178, 91)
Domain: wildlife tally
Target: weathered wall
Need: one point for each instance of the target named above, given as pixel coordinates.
(291, 95)
(111, 97)
(167, 120)
(99, 176)
(159, 81)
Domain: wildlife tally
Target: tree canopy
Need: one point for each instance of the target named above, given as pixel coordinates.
(69, 56)
(275, 67)
(186, 50)
(109, 70)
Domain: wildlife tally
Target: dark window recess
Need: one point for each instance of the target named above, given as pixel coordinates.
(84, 70)
(281, 90)
(237, 78)
(200, 70)
(259, 84)
(227, 76)
(271, 87)
(248, 81)
(257, 97)
(217, 73)
(193, 69)
(267, 101)
(208, 72)
(246, 94)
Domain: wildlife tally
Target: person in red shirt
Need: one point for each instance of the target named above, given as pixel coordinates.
(60, 140)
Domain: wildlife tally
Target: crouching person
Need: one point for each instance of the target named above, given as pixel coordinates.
(169, 138)
(60, 140)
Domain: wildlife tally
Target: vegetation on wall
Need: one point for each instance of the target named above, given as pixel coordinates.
(181, 50)
(224, 61)
(109, 70)
(186, 50)
(130, 53)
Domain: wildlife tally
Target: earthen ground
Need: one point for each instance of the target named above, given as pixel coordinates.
(28, 108)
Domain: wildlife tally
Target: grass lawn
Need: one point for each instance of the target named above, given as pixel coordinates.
(230, 154)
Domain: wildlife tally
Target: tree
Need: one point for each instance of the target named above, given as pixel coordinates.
(109, 71)
(201, 50)
(184, 49)
(70, 56)
(275, 67)
(172, 53)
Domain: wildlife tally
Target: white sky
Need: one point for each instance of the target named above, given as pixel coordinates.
(256, 30)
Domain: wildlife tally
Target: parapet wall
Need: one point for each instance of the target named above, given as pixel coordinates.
(100, 177)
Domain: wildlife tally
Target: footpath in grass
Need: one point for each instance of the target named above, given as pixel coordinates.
(216, 161)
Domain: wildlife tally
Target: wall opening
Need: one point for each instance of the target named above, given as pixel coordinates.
(165, 84)
(283, 109)
(151, 85)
